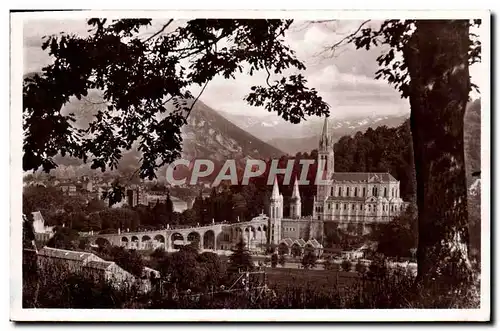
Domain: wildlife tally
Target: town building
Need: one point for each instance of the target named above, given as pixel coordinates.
(50, 258)
(55, 260)
(42, 231)
(109, 271)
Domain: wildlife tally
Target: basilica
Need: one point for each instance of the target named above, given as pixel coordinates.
(350, 201)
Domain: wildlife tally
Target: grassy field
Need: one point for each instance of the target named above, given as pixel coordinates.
(279, 277)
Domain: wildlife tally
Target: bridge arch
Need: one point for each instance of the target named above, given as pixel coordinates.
(159, 241)
(146, 242)
(218, 241)
(209, 239)
(238, 233)
(160, 238)
(177, 240)
(134, 242)
(253, 232)
(124, 241)
(246, 234)
(102, 242)
(194, 237)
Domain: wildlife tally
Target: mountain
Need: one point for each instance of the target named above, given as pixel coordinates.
(304, 137)
(208, 135)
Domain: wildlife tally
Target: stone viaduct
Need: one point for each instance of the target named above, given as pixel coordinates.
(216, 236)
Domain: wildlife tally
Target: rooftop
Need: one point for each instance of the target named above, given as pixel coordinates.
(287, 241)
(314, 243)
(100, 265)
(63, 254)
(366, 177)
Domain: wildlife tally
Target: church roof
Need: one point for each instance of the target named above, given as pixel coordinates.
(287, 241)
(314, 243)
(346, 199)
(300, 242)
(363, 177)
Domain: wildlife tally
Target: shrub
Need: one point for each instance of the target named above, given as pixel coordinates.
(360, 268)
(346, 265)
(282, 260)
(274, 260)
(309, 260)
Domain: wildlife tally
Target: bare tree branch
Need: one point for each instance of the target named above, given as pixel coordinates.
(161, 30)
(268, 76)
(347, 38)
(196, 99)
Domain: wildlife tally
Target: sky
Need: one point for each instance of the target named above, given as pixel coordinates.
(345, 79)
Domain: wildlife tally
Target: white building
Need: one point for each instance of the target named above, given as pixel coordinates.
(352, 197)
(350, 200)
(42, 231)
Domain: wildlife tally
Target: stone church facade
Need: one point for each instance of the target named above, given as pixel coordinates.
(351, 201)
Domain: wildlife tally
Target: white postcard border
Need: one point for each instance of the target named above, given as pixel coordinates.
(19, 314)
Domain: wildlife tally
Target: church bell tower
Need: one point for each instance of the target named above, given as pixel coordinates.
(325, 160)
(275, 214)
(295, 203)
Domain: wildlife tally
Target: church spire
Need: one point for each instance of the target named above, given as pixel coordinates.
(295, 193)
(324, 140)
(276, 190)
(295, 204)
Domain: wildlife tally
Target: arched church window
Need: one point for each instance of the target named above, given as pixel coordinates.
(340, 191)
(364, 191)
(337, 206)
(347, 192)
(385, 192)
(353, 206)
(331, 191)
(345, 206)
(374, 191)
(355, 191)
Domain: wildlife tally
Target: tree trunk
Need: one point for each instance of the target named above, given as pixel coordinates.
(437, 59)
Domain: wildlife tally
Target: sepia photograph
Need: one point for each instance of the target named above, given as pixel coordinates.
(290, 165)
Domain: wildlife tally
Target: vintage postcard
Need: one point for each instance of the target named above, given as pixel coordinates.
(250, 166)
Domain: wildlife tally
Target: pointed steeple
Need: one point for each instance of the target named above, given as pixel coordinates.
(324, 140)
(295, 204)
(295, 193)
(276, 191)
